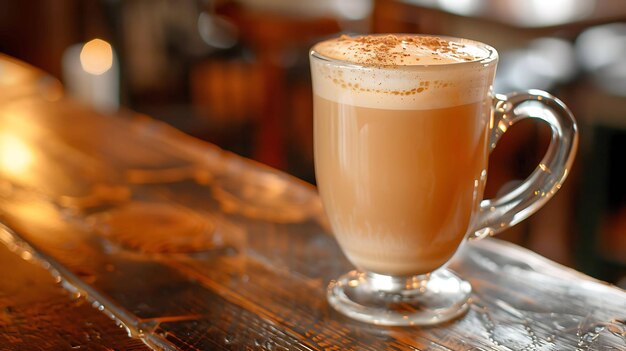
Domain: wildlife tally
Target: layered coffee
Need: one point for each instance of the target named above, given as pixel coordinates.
(401, 145)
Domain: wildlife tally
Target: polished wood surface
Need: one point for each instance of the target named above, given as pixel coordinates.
(188, 247)
(36, 313)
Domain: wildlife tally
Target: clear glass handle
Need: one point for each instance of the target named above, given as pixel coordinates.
(505, 211)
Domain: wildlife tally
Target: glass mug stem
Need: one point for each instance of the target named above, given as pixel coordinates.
(401, 154)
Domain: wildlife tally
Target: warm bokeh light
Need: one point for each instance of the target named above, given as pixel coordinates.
(96, 57)
(539, 13)
(461, 7)
(15, 155)
(12, 73)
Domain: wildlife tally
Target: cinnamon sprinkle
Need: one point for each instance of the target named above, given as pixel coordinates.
(389, 49)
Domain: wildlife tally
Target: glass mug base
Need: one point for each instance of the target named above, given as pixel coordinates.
(407, 301)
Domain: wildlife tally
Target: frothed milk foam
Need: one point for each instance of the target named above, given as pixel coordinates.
(401, 145)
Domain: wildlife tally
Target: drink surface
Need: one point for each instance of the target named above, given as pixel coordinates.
(401, 50)
(400, 186)
(402, 72)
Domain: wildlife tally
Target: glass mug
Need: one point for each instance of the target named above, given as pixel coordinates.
(403, 128)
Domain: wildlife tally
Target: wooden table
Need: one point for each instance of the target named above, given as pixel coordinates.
(120, 220)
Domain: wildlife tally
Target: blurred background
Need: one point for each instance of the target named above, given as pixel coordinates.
(235, 73)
